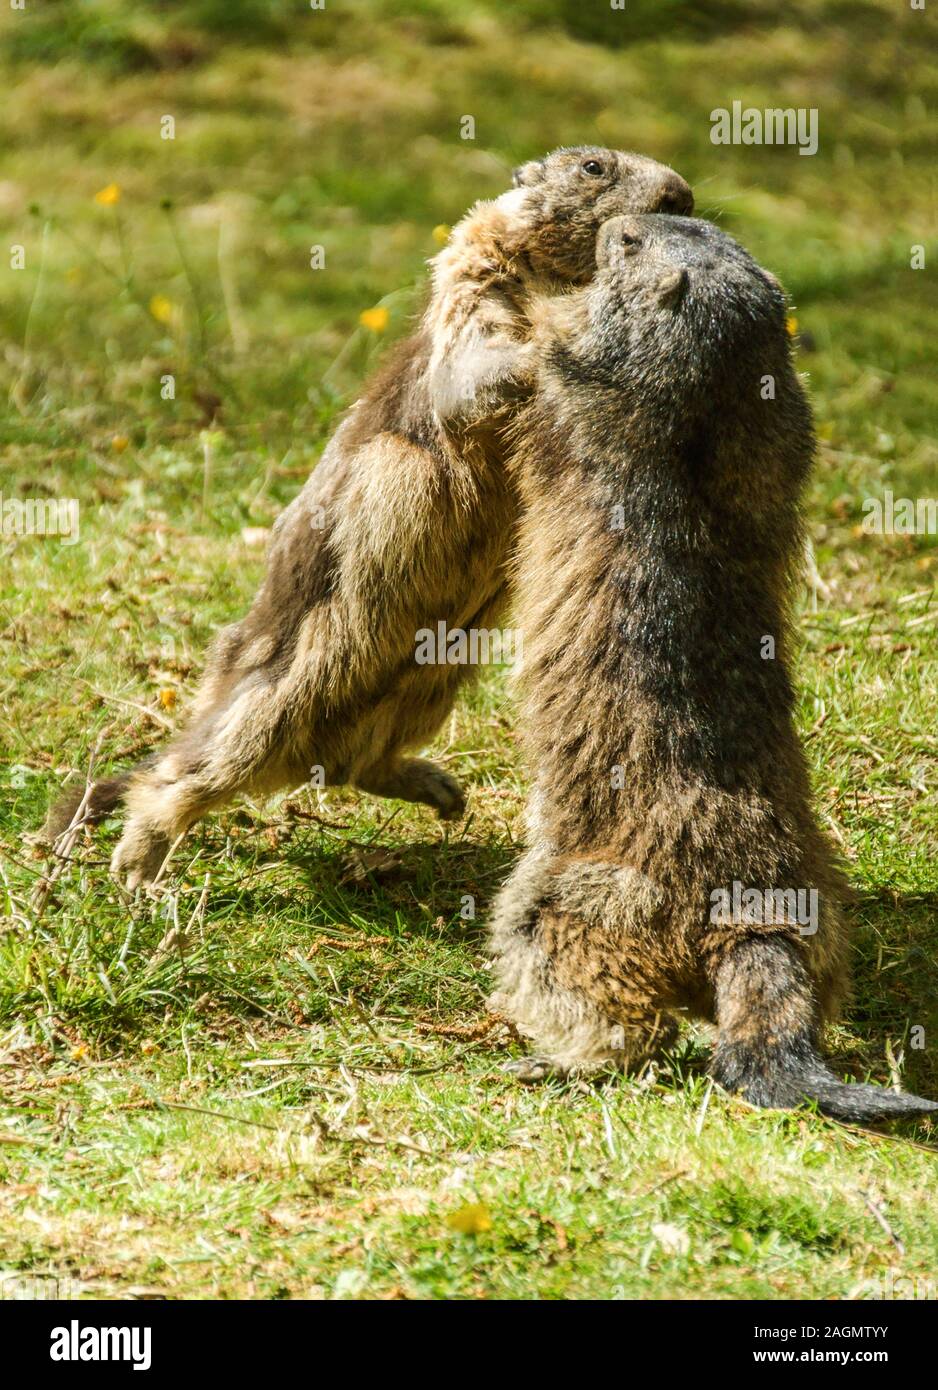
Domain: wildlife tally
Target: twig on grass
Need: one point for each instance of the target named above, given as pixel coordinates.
(880, 1216)
(169, 854)
(65, 842)
(702, 1114)
(358, 1135)
(129, 704)
(177, 937)
(379, 1068)
(221, 1115)
(664, 1182)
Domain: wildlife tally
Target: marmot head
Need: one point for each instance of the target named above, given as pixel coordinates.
(565, 197)
(680, 287)
(680, 336)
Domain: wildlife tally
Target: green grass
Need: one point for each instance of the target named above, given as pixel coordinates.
(348, 1130)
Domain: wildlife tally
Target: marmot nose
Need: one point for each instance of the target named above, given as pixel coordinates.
(674, 196)
(628, 233)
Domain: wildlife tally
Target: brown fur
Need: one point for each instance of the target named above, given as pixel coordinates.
(664, 753)
(417, 516)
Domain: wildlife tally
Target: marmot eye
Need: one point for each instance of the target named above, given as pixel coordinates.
(629, 243)
(592, 166)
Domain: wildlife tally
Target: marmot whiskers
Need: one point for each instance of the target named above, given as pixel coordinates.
(660, 464)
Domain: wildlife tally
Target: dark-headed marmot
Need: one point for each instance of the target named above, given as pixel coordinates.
(405, 523)
(660, 464)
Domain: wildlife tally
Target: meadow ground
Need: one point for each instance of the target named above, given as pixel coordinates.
(299, 1094)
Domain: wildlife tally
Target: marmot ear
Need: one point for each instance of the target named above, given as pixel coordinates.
(526, 174)
(671, 287)
(607, 239)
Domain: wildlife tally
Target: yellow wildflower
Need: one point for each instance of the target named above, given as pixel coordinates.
(470, 1220)
(79, 1051)
(162, 309)
(168, 698)
(108, 196)
(119, 443)
(375, 319)
(441, 233)
(791, 325)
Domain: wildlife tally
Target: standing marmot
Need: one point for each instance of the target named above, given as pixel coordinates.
(405, 522)
(660, 466)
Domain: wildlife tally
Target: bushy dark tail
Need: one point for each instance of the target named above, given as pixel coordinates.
(103, 798)
(766, 1046)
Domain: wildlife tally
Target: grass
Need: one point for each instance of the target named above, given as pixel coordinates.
(300, 1094)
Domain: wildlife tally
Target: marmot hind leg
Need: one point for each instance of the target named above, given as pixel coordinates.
(573, 1035)
(248, 742)
(415, 779)
(237, 747)
(580, 1024)
(241, 747)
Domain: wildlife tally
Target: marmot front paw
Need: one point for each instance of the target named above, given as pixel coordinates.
(441, 791)
(534, 1068)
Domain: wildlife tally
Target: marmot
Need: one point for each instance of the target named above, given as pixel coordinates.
(405, 522)
(660, 463)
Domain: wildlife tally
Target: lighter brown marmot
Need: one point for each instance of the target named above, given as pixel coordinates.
(405, 523)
